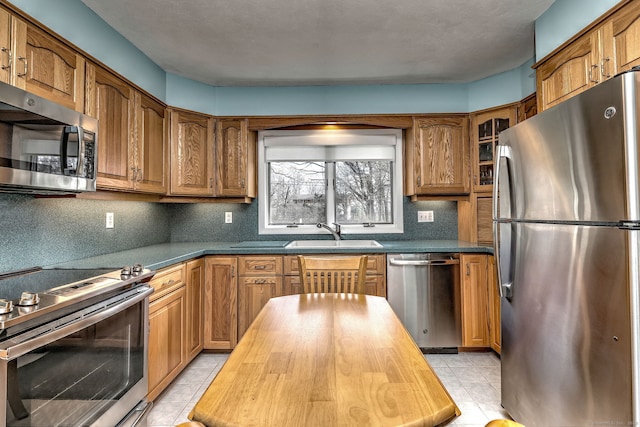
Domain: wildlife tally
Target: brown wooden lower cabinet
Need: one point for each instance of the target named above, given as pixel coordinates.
(167, 353)
(195, 307)
(495, 335)
(220, 302)
(475, 300)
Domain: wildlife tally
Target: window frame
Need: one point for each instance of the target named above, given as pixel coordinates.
(392, 137)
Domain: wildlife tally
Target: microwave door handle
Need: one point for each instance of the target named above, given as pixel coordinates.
(80, 170)
(64, 143)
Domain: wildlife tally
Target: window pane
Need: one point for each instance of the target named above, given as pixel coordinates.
(363, 192)
(297, 193)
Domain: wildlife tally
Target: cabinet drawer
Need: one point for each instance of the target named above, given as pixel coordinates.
(262, 280)
(167, 280)
(259, 265)
(376, 264)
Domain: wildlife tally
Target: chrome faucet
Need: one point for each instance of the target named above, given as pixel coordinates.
(335, 233)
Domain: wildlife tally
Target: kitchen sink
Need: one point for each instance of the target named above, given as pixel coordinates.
(310, 244)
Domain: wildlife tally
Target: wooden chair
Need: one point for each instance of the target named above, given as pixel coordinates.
(332, 275)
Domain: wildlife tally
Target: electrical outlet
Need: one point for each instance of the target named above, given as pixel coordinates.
(228, 217)
(425, 216)
(110, 220)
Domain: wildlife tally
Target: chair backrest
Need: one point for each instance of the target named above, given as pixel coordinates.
(332, 275)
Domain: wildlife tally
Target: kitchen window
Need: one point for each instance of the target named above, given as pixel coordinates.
(350, 177)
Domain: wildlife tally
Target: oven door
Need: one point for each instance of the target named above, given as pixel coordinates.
(86, 369)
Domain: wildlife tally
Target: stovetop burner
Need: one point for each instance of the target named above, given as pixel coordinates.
(37, 292)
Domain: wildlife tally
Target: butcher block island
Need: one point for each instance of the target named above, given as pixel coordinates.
(325, 359)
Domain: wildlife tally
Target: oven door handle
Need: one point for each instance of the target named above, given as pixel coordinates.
(74, 326)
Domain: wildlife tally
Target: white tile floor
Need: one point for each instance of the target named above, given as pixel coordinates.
(472, 379)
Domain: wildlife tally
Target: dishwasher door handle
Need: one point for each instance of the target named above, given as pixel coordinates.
(424, 263)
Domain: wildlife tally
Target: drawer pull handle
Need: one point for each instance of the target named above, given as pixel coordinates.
(169, 283)
(259, 267)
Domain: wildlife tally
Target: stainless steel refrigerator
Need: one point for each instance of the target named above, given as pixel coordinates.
(567, 232)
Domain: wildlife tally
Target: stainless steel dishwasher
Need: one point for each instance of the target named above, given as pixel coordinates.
(424, 291)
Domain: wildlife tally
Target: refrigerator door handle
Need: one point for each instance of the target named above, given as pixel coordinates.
(504, 285)
(502, 152)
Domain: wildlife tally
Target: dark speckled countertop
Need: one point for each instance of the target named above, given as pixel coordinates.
(163, 255)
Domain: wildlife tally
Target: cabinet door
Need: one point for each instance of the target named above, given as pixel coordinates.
(191, 153)
(50, 69)
(528, 107)
(253, 294)
(110, 100)
(484, 227)
(569, 72)
(6, 56)
(235, 159)
(486, 127)
(195, 292)
(151, 148)
(475, 320)
(495, 330)
(441, 159)
(167, 355)
(625, 31)
(220, 303)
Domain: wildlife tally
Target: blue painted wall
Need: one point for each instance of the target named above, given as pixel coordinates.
(564, 19)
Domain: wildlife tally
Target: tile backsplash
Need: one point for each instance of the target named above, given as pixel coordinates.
(43, 231)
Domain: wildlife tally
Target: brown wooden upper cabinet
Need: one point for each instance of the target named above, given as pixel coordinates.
(437, 156)
(151, 153)
(111, 101)
(39, 63)
(610, 47)
(485, 129)
(235, 159)
(192, 136)
(132, 150)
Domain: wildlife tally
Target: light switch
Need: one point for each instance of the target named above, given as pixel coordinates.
(425, 216)
(228, 217)
(110, 220)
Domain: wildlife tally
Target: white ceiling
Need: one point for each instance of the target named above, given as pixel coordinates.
(328, 42)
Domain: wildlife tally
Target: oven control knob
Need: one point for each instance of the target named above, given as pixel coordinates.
(125, 273)
(6, 306)
(136, 269)
(29, 298)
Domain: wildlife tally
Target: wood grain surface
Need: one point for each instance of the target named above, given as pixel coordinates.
(325, 360)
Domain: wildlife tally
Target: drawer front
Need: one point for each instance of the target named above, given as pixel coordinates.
(376, 264)
(167, 280)
(263, 280)
(259, 265)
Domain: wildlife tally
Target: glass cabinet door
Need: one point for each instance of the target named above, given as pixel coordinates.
(486, 127)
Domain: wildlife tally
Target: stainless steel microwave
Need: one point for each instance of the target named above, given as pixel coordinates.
(45, 147)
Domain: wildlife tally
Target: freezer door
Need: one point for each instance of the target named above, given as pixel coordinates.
(577, 161)
(566, 343)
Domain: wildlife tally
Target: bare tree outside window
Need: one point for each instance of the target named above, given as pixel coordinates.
(364, 192)
(297, 192)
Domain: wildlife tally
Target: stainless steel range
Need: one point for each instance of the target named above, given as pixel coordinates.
(73, 347)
